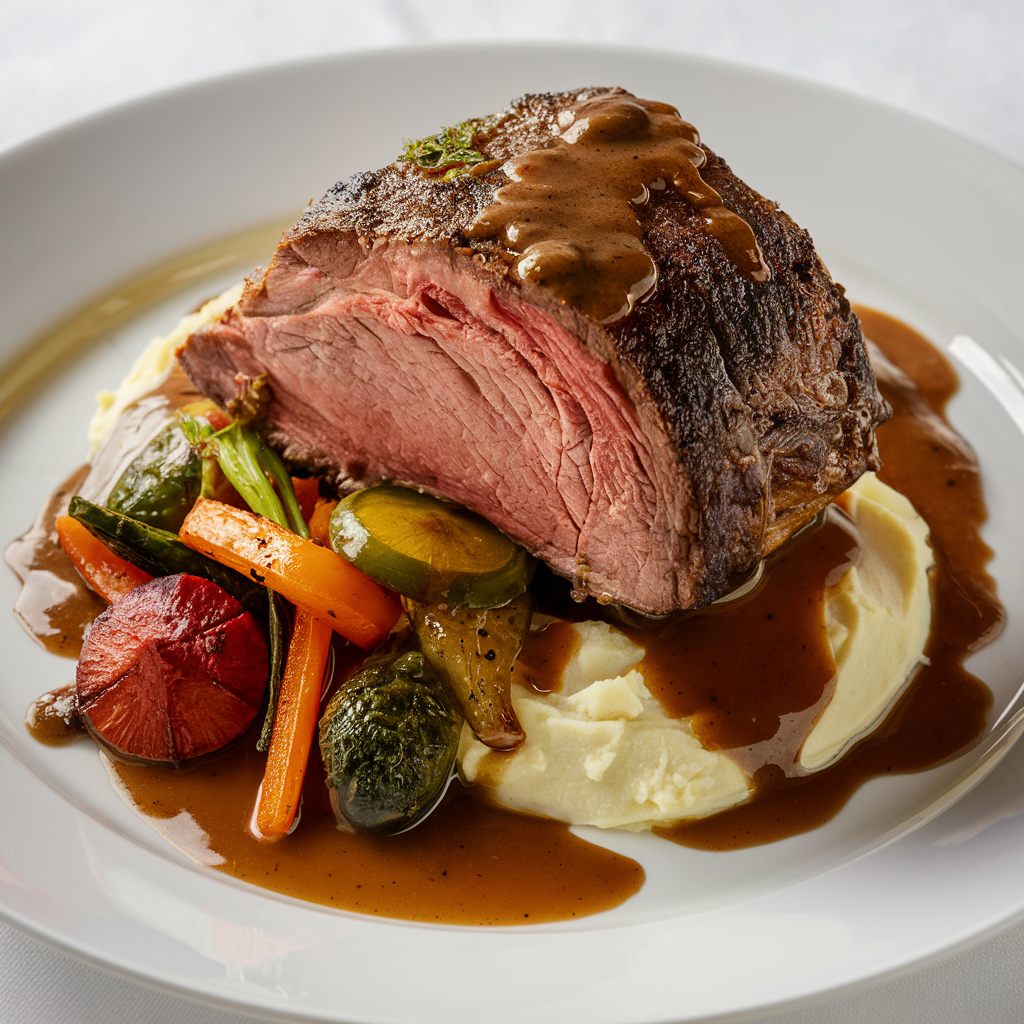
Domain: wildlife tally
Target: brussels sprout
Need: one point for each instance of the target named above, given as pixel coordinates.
(388, 740)
(162, 483)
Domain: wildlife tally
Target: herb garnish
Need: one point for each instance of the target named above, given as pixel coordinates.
(451, 151)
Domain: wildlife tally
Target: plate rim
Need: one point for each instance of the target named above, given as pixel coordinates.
(180, 93)
(214, 80)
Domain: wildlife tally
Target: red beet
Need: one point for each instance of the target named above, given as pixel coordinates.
(175, 670)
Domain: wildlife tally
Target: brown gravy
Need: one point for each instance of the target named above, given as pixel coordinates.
(743, 669)
(544, 656)
(739, 669)
(54, 719)
(570, 212)
(55, 606)
(466, 864)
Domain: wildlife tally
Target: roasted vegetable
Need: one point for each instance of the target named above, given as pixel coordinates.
(427, 549)
(110, 576)
(174, 671)
(276, 626)
(310, 576)
(245, 459)
(473, 652)
(388, 740)
(160, 553)
(307, 495)
(294, 725)
(161, 484)
(320, 521)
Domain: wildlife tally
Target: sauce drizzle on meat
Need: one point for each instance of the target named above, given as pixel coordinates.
(570, 211)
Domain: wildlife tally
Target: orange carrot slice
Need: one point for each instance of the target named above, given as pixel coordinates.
(111, 577)
(298, 709)
(320, 521)
(312, 577)
(307, 493)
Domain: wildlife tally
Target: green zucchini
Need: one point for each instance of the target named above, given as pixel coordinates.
(388, 740)
(160, 553)
(427, 549)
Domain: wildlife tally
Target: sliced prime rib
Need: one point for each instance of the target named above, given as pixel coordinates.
(653, 460)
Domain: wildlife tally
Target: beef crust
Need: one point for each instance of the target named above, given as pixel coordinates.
(765, 389)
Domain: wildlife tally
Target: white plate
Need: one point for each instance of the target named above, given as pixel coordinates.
(910, 218)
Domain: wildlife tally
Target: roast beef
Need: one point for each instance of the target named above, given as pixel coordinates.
(653, 460)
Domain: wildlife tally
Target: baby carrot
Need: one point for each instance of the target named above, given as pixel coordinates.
(312, 577)
(320, 521)
(111, 577)
(298, 708)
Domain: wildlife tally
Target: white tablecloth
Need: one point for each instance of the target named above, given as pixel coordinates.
(956, 62)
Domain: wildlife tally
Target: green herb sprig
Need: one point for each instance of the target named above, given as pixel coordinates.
(451, 151)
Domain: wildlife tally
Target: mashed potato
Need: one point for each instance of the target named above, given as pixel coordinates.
(601, 750)
(878, 617)
(152, 366)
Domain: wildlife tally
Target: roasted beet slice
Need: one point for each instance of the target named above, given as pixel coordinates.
(175, 670)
